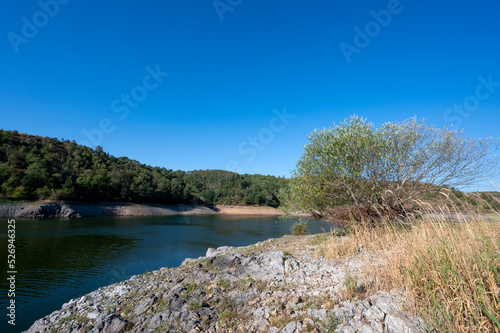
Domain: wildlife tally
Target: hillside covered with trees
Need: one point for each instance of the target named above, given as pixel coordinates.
(35, 168)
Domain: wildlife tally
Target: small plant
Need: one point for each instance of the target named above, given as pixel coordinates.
(162, 327)
(128, 309)
(330, 324)
(163, 304)
(190, 288)
(309, 327)
(128, 326)
(350, 282)
(228, 315)
(280, 320)
(224, 284)
(299, 228)
(194, 305)
(261, 285)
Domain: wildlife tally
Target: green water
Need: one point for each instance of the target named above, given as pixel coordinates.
(60, 259)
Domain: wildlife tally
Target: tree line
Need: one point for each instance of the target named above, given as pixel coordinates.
(38, 168)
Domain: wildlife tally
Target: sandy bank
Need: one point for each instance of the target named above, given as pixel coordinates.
(247, 210)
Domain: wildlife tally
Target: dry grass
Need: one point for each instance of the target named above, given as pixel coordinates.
(449, 272)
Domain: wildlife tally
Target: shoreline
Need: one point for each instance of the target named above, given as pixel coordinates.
(281, 285)
(65, 209)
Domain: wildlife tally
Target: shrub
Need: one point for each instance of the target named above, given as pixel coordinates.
(355, 164)
(299, 228)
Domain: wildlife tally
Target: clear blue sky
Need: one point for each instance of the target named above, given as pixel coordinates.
(69, 68)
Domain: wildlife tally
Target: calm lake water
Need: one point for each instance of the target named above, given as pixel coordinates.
(60, 259)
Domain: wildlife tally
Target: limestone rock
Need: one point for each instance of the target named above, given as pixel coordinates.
(231, 290)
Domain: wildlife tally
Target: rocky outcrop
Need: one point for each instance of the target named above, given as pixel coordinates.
(271, 286)
(68, 209)
(38, 210)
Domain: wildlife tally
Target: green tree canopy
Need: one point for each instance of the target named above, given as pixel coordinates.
(355, 164)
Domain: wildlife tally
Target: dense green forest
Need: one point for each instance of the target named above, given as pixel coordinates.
(33, 167)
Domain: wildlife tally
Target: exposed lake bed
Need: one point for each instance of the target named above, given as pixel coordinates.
(66, 209)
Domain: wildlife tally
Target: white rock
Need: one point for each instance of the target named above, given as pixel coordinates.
(211, 252)
(397, 322)
(290, 328)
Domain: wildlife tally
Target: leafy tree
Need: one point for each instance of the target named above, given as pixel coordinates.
(354, 164)
(20, 192)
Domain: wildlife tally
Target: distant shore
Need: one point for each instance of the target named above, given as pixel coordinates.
(83, 209)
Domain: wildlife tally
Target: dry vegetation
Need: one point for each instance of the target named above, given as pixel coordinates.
(393, 189)
(449, 272)
(456, 201)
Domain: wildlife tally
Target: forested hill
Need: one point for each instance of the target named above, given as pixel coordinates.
(33, 167)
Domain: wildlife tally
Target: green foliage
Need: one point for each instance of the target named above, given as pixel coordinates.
(33, 167)
(491, 201)
(350, 282)
(355, 164)
(458, 194)
(20, 193)
(330, 324)
(334, 165)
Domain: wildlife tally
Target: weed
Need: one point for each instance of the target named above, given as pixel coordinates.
(228, 313)
(194, 305)
(190, 288)
(128, 326)
(352, 285)
(162, 327)
(224, 284)
(163, 304)
(280, 320)
(330, 324)
(128, 309)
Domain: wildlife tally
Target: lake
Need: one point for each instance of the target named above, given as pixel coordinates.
(60, 259)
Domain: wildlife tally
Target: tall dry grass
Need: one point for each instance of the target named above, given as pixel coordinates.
(449, 272)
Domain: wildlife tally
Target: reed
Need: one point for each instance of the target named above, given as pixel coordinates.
(448, 271)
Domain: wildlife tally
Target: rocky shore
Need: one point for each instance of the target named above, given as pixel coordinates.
(279, 285)
(78, 209)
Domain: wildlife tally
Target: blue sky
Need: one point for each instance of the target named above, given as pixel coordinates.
(247, 80)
